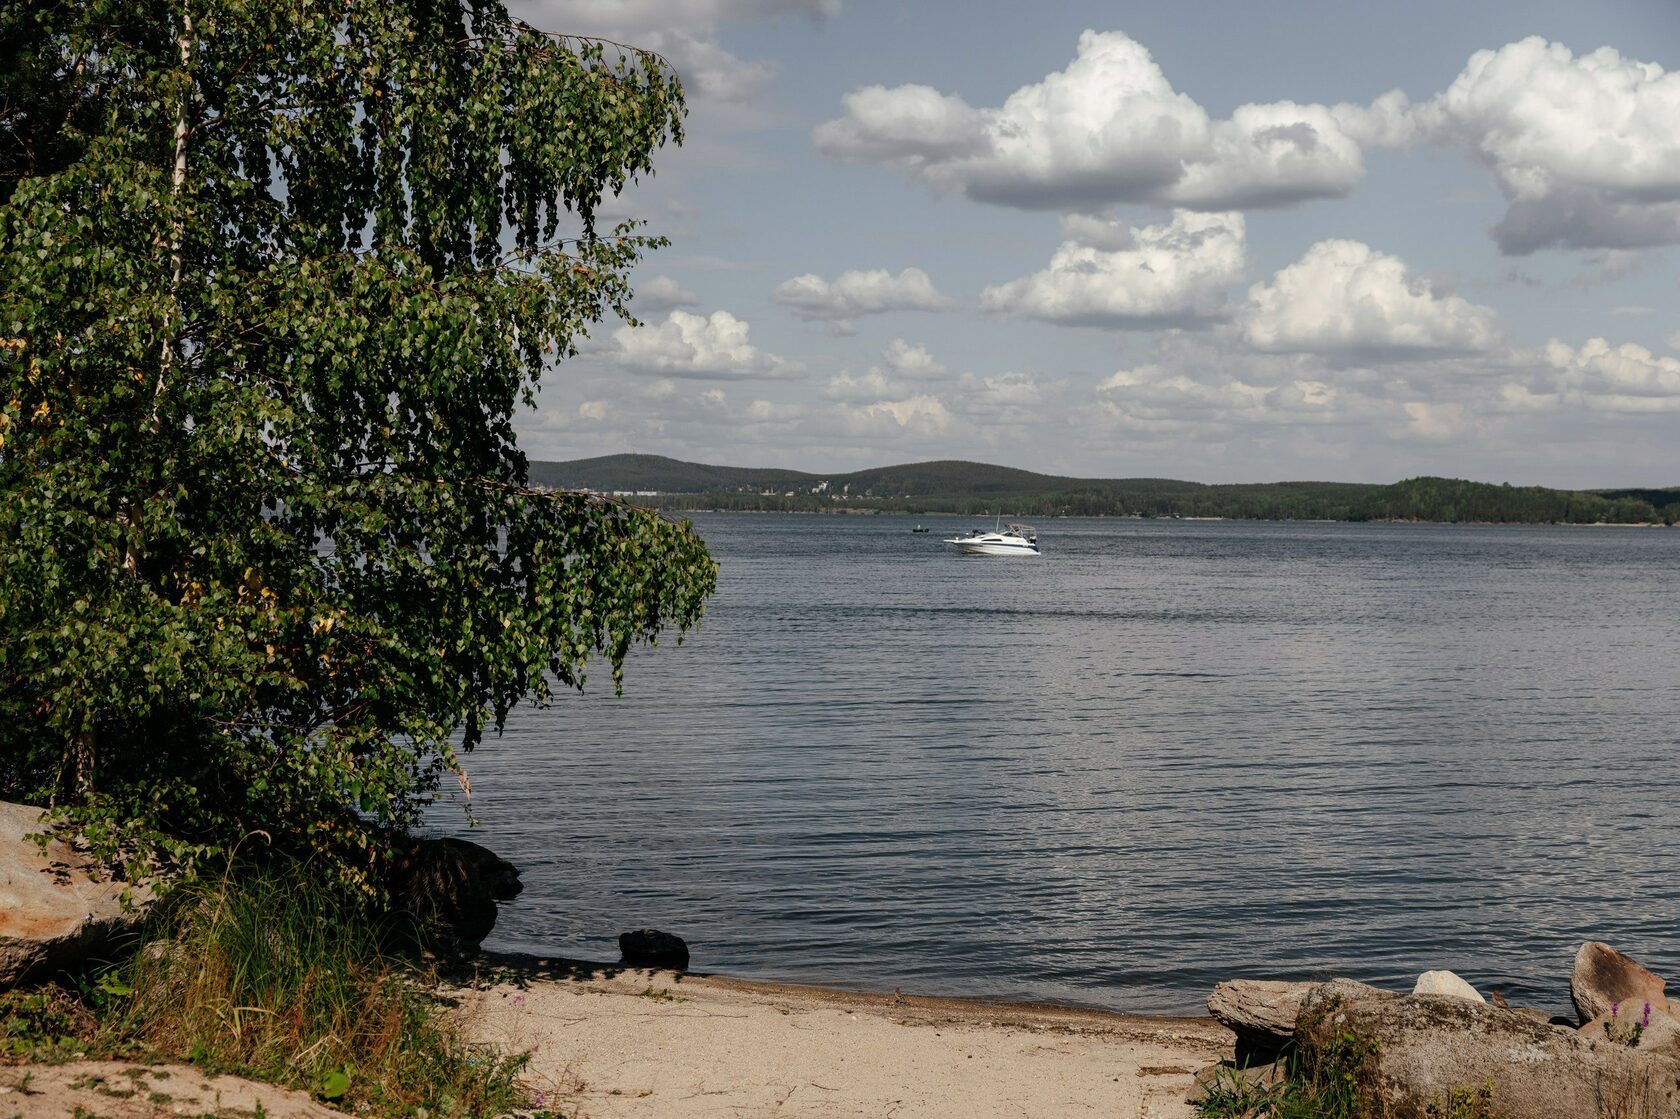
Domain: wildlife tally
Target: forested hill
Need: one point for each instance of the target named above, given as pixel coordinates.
(973, 488)
(668, 475)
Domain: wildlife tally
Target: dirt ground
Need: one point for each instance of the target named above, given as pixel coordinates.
(118, 1090)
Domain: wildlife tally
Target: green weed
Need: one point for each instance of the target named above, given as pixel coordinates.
(43, 1024)
(1465, 1103)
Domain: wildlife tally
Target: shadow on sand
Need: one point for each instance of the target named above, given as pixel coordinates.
(520, 969)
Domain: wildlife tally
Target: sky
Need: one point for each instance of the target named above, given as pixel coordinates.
(1212, 240)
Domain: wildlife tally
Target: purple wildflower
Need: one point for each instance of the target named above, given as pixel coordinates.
(1645, 1018)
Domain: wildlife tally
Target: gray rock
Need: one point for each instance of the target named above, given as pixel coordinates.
(1262, 1012)
(1408, 1054)
(1263, 1007)
(449, 888)
(56, 912)
(652, 948)
(1604, 977)
(1446, 983)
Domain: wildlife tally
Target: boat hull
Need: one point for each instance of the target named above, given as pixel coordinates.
(994, 548)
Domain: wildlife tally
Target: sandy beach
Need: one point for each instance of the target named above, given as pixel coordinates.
(631, 1043)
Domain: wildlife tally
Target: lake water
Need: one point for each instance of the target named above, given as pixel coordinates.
(1163, 754)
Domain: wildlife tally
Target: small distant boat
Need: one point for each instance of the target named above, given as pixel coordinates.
(919, 528)
(1003, 540)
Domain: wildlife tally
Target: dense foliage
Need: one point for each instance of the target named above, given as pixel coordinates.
(276, 277)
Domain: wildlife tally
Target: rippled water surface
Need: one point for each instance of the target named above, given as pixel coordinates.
(1163, 754)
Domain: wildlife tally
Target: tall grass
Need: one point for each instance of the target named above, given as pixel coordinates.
(271, 976)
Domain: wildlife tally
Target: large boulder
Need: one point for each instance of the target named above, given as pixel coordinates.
(1604, 977)
(1262, 1012)
(58, 911)
(1407, 1055)
(449, 889)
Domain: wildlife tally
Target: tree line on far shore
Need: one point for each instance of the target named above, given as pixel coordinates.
(1444, 500)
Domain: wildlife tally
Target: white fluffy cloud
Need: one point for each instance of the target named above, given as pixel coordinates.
(704, 347)
(684, 31)
(856, 387)
(686, 15)
(663, 294)
(1109, 128)
(1585, 148)
(902, 365)
(1174, 274)
(912, 362)
(920, 415)
(1150, 395)
(872, 292)
(1600, 377)
(1345, 298)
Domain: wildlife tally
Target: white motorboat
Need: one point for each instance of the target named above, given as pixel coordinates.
(1004, 540)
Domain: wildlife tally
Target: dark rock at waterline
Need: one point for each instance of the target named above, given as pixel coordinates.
(652, 948)
(1604, 977)
(449, 888)
(58, 911)
(1407, 1055)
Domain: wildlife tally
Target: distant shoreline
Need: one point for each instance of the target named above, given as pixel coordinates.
(930, 489)
(866, 512)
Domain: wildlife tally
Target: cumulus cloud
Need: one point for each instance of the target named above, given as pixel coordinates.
(704, 347)
(1150, 395)
(912, 361)
(921, 415)
(684, 31)
(1098, 231)
(1008, 392)
(872, 292)
(1160, 275)
(663, 294)
(902, 364)
(1109, 128)
(708, 69)
(1584, 148)
(1345, 298)
(686, 15)
(870, 386)
(1600, 377)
